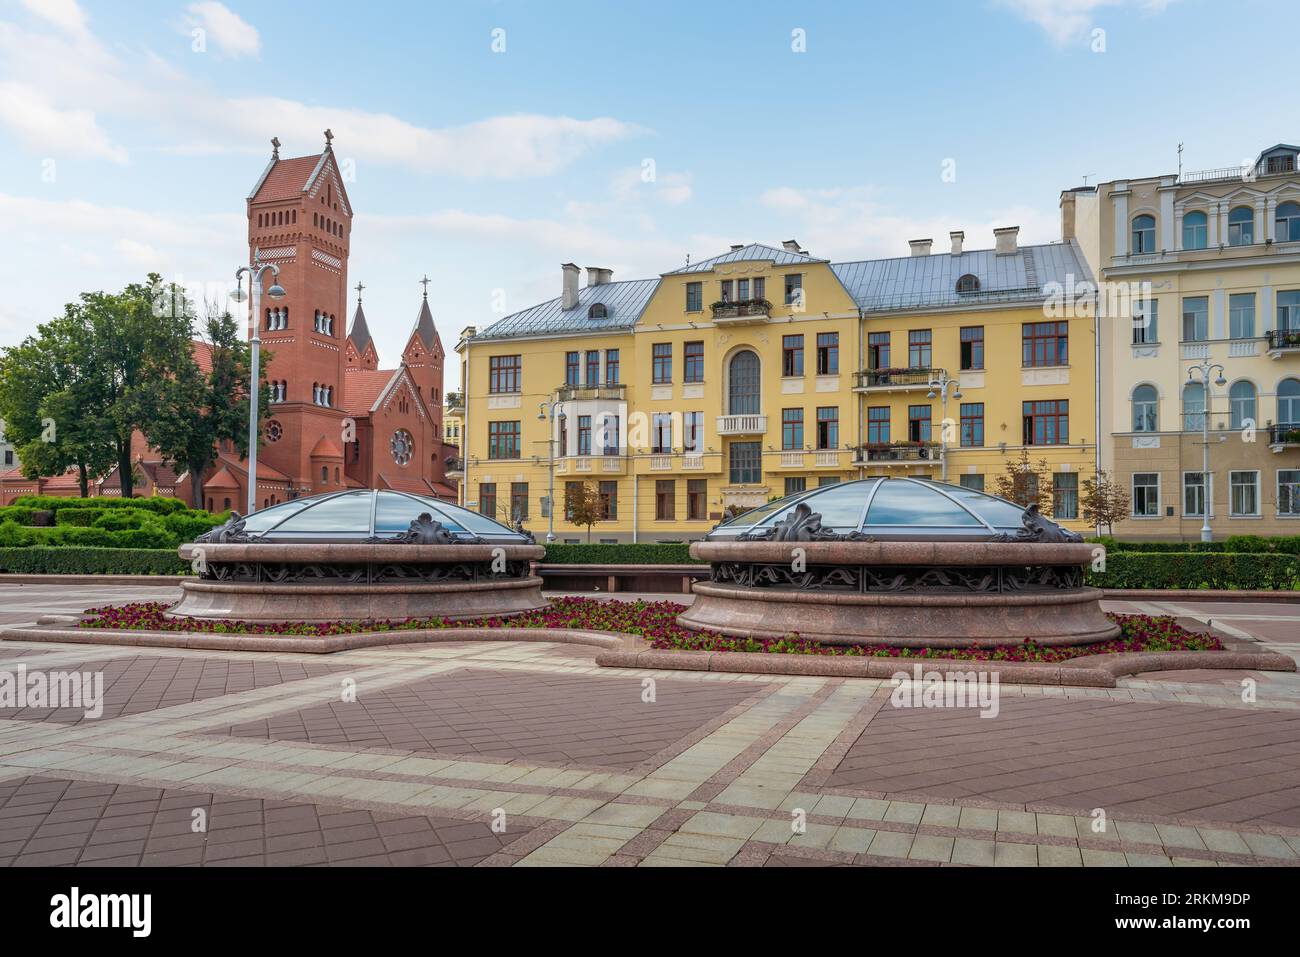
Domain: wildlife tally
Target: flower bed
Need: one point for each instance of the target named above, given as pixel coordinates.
(657, 623)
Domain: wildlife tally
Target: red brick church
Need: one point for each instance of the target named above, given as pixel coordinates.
(337, 420)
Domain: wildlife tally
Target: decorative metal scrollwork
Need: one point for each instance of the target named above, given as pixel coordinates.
(802, 524)
(885, 578)
(1039, 530)
(425, 531)
(231, 533)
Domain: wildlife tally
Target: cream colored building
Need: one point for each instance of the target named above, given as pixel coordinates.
(766, 370)
(1195, 268)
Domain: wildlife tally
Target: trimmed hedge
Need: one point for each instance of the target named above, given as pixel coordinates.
(1231, 570)
(84, 517)
(16, 513)
(152, 503)
(91, 561)
(642, 553)
(1277, 544)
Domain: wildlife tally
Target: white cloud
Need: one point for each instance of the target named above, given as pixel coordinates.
(851, 223)
(232, 35)
(1067, 21)
(42, 126)
(64, 14)
(77, 70)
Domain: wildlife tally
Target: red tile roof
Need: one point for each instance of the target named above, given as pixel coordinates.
(202, 355)
(361, 387)
(264, 472)
(287, 178)
(222, 479)
(403, 483)
(327, 449)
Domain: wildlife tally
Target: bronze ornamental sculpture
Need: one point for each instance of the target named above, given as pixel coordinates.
(900, 562)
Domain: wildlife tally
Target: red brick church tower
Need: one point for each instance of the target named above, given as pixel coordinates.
(338, 420)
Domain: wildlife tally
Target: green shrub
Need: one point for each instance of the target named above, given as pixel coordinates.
(119, 519)
(12, 535)
(91, 561)
(187, 526)
(16, 513)
(152, 503)
(1230, 570)
(642, 553)
(77, 516)
(1280, 544)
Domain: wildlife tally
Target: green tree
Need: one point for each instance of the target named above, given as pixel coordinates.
(51, 401)
(584, 505)
(199, 409)
(1026, 483)
(1104, 501)
(140, 338)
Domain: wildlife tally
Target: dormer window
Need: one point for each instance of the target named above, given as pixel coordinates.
(968, 284)
(597, 311)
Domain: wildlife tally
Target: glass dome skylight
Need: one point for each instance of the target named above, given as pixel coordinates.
(358, 514)
(890, 509)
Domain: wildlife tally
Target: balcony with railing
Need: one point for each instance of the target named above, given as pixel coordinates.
(742, 424)
(609, 393)
(896, 453)
(741, 312)
(612, 464)
(455, 468)
(894, 380)
(1284, 436)
(1281, 341)
(455, 403)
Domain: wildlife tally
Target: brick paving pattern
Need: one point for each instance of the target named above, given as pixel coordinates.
(1242, 766)
(132, 685)
(52, 821)
(446, 741)
(509, 715)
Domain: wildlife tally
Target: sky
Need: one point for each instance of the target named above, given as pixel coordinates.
(485, 143)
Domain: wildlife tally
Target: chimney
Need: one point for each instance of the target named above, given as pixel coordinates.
(1067, 215)
(1005, 239)
(598, 275)
(791, 245)
(920, 247)
(569, 296)
(956, 236)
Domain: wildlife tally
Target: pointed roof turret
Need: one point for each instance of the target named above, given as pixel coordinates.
(424, 321)
(360, 331)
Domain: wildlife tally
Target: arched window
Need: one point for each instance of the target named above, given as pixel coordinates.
(1287, 223)
(968, 283)
(1288, 402)
(1196, 230)
(315, 393)
(1241, 403)
(1146, 409)
(1241, 226)
(324, 473)
(743, 384)
(293, 217)
(597, 311)
(1193, 407)
(1144, 234)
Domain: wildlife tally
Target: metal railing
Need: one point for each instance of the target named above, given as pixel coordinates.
(1283, 339)
(1288, 433)
(898, 452)
(757, 308)
(894, 378)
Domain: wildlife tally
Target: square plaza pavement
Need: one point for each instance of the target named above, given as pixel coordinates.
(526, 753)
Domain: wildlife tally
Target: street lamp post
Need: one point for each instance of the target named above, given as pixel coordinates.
(548, 412)
(1202, 372)
(942, 382)
(255, 270)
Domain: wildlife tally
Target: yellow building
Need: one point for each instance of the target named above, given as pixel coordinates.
(1200, 269)
(764, 371)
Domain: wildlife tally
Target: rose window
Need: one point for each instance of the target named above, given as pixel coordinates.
(402, 445)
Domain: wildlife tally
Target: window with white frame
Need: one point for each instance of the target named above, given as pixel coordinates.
(1145, 315)
(1193, 407)
(1196, 230)
(1146, 494)
(1144, 234)
(1241, 403)
(1196, 319)
(1286, 222)
(1241, 226)
(1146, 409)
(1288, 492)
(1241, 315)
(1194, 494)
(1288, 310)
(1243, 491)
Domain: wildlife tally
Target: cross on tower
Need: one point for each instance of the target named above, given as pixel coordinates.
(359, 287)
(275, 147)
(425, 283)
